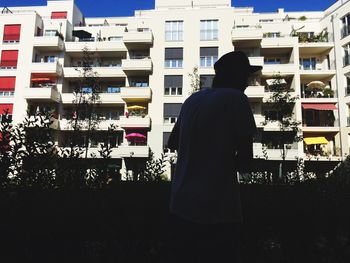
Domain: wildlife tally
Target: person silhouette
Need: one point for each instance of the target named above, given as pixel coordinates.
(213, 137)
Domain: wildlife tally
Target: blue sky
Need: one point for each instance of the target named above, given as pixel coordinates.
(127, 7)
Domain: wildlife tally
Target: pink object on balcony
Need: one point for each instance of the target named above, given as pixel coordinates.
(133, 136)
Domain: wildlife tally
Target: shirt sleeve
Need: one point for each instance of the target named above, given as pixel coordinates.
(245, 122)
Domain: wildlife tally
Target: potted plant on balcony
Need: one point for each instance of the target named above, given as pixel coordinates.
(328, 92)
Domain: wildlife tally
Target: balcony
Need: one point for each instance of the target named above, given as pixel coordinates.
(138, 37)
(135, 122)
(246, 33)
(272, 126)
(256, 61)
(42, 94)
(259, 120)
(273, 154)
(279, 69)
(103, 72)
(105, 98)
(120, 152)
(95, 46)
(49, 68)
(315, 48)
(255, 91)
(280, 42)
(130, 151)
(132, 94)
(54, 125)
(48, 43)
(318, 71)
(102, 124)
(136, 65)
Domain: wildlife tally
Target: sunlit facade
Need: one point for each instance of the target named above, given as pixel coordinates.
(144, 64)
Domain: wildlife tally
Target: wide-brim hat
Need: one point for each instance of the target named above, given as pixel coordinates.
(233, 63)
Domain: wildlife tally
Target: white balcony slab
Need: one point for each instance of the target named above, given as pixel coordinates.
(122, 152)
(48, 43)
(259, 120)
(137, 64)
(103, 125)
(279, 69)
(320, 129)
(53, 68)
(256, 61)
(105, 98)
(274, 154)
(138, 37)
(130, 94)
(54, 122)
(255, 91)
(279, 42)
(102, 46)
(135, 122)
(42, 94)
(103, 72)
(244, 34)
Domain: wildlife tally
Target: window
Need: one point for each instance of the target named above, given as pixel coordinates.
(49, 59)
(208, 56)
(346, 51)
(173, 30)
(272, 61)
(272, 34)
(12, 33)
(173, 57)
(173, 85)
(308, 63)
(171, 112)
(115, 39)
(59, 15)
(345, 25)
(347, 89)
(7, 86)
(139, 83)
(86, 90)
(9, 59)
(50, 33)
(113, 90)
(206, 81)
(166, 136)
(209, 30)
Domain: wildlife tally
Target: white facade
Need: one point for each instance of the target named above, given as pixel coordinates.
(145, 60)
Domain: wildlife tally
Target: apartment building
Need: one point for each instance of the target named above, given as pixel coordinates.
(144, 64)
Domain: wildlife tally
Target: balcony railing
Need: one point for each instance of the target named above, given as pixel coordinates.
(317, 94)
(325, 123)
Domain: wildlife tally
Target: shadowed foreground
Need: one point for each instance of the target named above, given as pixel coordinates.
(302, 223)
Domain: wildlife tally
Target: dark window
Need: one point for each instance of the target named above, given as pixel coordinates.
(166, 136)
(206, 81)
(173, 85)
(173, 53)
